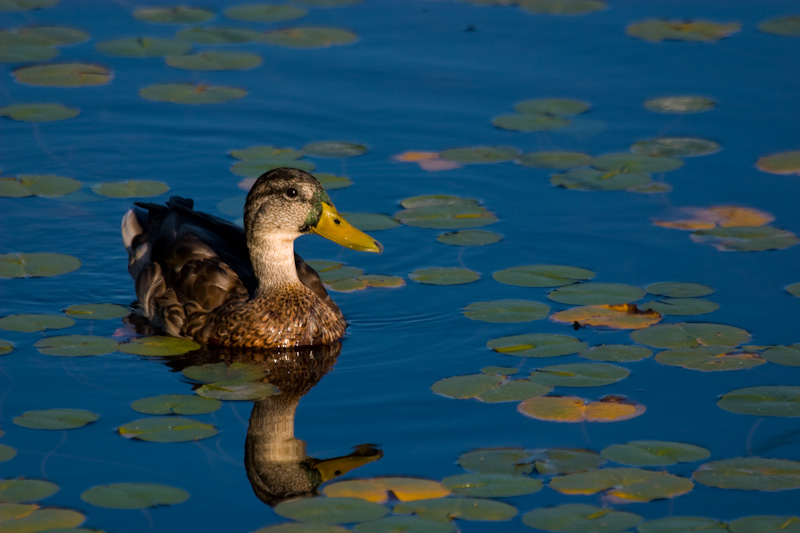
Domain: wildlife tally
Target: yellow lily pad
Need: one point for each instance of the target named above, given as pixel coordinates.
(621, 316)
(574, 409)
(746, 238)
(378, 489)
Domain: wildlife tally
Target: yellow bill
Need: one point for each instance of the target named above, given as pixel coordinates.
(332, 226)
(336, 466)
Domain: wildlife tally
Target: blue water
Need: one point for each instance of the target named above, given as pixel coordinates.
(415, 80)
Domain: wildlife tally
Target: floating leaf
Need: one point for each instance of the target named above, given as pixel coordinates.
(218, 36)
(566, 461)
(528, 122)
(44, 185)
(6, 347)
(332, 182)
(55, 419)
(39, 112)
(509, 461)
(676, 147)
(378, 489)
(334, 149)
(682, 30)
(680, 104)
(444, 212)
(480, 154)
(682, 306)
(240, 390)
(36, 265)
(488, 388)
(787, 26)
(297, 527)
(143, 47)
(347, 285)
(681, 524)
(537, 345)
(555, 159)
(783, 355)
(580, 517)
(252, 168)
(173, 15)
(469, 238)
(402, 524)
(23, 51)
(266, 152)
(76, 345)
(492, 485)
(542, 275)
(167, 429)
(97, 311)
(552, 106)
(329, 3)
(624, 484)
(215, 60)
(654, 453)
(63, 75)
(446, 509)
(265, 12)
(784, 163)
(375, 280)
(176, 404)
(623, 316)
(370, 221)
(309, 37)
(25, 490)
(339, 273)
(444, 276)
(688, 335)
(596, 293)
(781, 400)
(26, 5)
(633, 163)
(24, 518)
(578, 375)
(506, 311)
(621, 353)
(55, 35)
(794, 289)
(589, 179)
(134, 495)
(765, 524)
(746, 238)
(213, 372)
(158, 346)
(34, 322)
(574, 409)
(750, 473)
(330, 510)
(189, 93)
(692, 218)
(679, 290)
(130, 188)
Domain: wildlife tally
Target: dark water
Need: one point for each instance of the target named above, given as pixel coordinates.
(417, 79)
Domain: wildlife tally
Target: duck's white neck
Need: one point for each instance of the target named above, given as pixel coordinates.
(273, 261)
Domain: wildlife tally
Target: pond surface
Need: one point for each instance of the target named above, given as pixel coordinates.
(418, 76)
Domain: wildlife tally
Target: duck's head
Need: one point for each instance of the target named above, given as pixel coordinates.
(287, 203)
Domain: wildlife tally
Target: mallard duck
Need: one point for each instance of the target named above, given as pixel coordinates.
(201, 277)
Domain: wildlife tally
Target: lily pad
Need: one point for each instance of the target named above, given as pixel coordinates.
(552, 106)
(506, 311)
(266, 152)
(18, 517)
(508, 461)
(63, 75)
(574, 409)
(173, 15)
(309, 37)
(710, 358)
(158, 346)
(689, 335)
(579, 375)
(654, 453)
(298, 527)
(589, 179)
(492, 485)
(320, 510)
(444, 212)
(565, 461)
(6, 347)
(693, 218)
(130, 188)
(750, 473)
(237, 390)
(39, 112)
(25, 490)
(479, 154)
(332, 182)
(783, 355)
(624, 484)
(55, 35)
(26, 5)
(787, 26)
(446, 509)
(537, 345)
(55, 419)
(218, 36)
(370, 221)
(681, 524)
(469, 238)
(488, 388)
(794, 289)
(100, 311)
(784, 163)
(192, 94)
(167, 429)
(334, 149)
(34, 322)
(398, 524)
(265, 12)
(444, 276)
(528, 122)
(252, 168)
(44, 185)
(780, 400)
(682, 306)
(76, 345)
(347, 285)
(596, 294)
(676, 147)
(36, 265)
(622, 316)
(134, 495)
(680, 104)
(542, 275)
(765, 524)
(635, 163)
(24, 52)
(746, 238)
(576, 517)
(142, 47)
(378, 489)
(555, 159)
(679, 290)
(176, 404)
(213, 372)
(215, 60)
(621, 353)
(682, 30)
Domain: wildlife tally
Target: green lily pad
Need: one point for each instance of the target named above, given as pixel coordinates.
(783, 163)
(25, 490)
(130, 188)
(297, 527)
(596, 294)
(632, 163)
(55, 35)
(398, 524)
(681, 306)
(176, 404)
(24, 518)
(25, 52)
(552, 106)
(479, 154)
(786, 26)
(682, 524)
(654, 453)
(266, 152)
(765, 524)
(339, 273)
(218, 36)
(215, 60)
(783, 355)
(682, 30)
(76, 345)
(167, 429)
(624, 484)
(39, 112)
(370, 221)
(489, 388)
(565, 461)
(26, 5)
(508, 461)
(309, 37)
(680, 104)
(444, 276)
(44, 185)
(347, 285)
(143, 47)
(253, 168)
(506, 311)
(781, 400)
(55, 419)
(36, 265)
(529, 122)
(329, 3)
(469, 238)
(676, 147)
(237, 390)
(63, 75)
(620, 353)
(134, 495)
(578, 375)
(689, 335)
(213, 372)
(334, 149)
(794, 289)
(173, 15)
(750, 473)
(679, 290)
(97, 311)
(444, 212)
(191, 94)
(492, 485)
(746, 238)
(555, 159)
(577, 517)
(320, 510)
(537, 345)
(542, 275)
(6, 347)
(34, 322)
(446, 509)
(332, 182)
(589, 179)
(265, 12)
(710, 358)
(158, 346)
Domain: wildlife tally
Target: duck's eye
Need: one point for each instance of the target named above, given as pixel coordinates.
(291, 192)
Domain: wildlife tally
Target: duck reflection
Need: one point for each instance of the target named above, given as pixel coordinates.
(276, 462)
